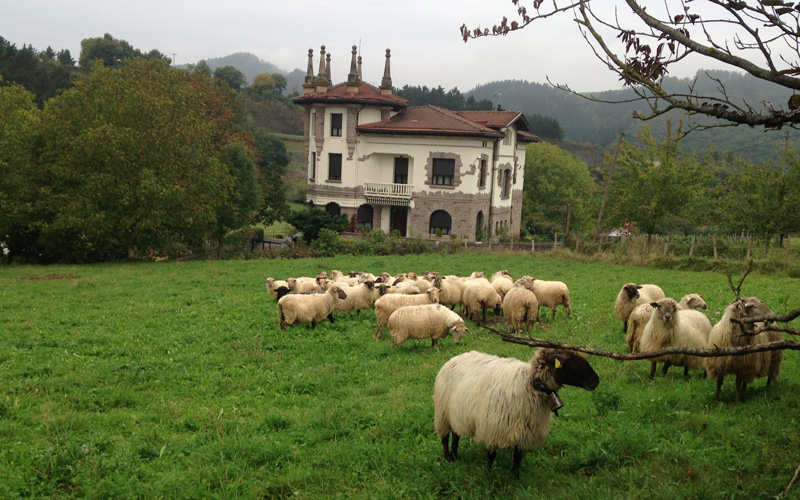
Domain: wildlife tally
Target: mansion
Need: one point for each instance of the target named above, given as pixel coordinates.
(416, 170)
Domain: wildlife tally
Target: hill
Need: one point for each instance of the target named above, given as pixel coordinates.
(251, 65)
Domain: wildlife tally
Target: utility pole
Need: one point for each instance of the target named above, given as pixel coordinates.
(608, 186)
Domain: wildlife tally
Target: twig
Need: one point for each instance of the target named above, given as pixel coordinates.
(791, 483)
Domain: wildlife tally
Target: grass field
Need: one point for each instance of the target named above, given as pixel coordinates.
(173, 380)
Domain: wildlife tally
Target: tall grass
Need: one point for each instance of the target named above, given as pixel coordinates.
(173, 380)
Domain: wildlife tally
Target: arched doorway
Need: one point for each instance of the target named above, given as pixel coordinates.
(440, 221)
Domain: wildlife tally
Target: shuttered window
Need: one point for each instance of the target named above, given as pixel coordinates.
(334, 166)
(336, 124)
(440, 221)
(401, 170)
(444, 170)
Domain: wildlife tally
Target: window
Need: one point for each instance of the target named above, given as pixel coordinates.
(443, 171)
(401, 170)
(313, 165)
(333, 208)
(336, 124)
(334, 166)
(482, 174)
(507, 140)
(506, 182)
(364, 216)
(440, 221)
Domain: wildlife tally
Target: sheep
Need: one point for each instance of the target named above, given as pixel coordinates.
(478, 295)
(502, 282)
(451, 289)
(630, 296)
(277, 288)
(552, 294)
(746, 367)
(641, 315)
(672, 327)
(520, 305)
(389, 303)
(504, 402)
(309, 308)
(429, 321)
(305, 284)
(360, 296)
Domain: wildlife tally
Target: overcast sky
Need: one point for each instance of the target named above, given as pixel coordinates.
(427, 48)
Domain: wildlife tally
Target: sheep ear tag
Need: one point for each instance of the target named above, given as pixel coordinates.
(558, 364)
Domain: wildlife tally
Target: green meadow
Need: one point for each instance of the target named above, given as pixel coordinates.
(173, 380)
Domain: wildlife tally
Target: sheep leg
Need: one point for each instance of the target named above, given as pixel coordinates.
(554, 312)
(719, 385)
(313, 324)
(484, 315)
(445, 448)
(517, 460)
(739, 388)
(454, 448)
(491, 455)
(624, 326)
(652, 370)
(568, 309)
(379, 332)
(330, 317)
(665, 368)
(434, 343)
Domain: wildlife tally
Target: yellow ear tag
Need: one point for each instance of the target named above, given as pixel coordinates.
(558, 364)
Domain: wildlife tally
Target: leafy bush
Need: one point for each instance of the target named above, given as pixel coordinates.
(312, 222)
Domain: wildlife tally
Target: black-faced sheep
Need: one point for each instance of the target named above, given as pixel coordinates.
(729, 334)
(504, 402)
(310, 307)
(641, 315)
(430, 321)
(630, 296)
(672, 327)
(552, 294)
(520, 306)
(389, 303)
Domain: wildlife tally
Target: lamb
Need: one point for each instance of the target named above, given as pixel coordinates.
(360, 296)
(480, 294)
(520, 306)
(672, 327)
(729, 334)
(552, 294)
(429, 321)
(389, 303)
(630, 296)
(641, 315)
(309, 308)
(504, 402)
(277, 288)
(502, 282)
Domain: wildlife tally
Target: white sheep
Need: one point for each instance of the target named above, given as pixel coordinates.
(552, 294)
(672, 327)
(479, 295)
(389, 303)
(451, 289)
(520, 305)
(630, 296)
(277, 288)
(306, 284)
(504, 402)
(746, 367)
(309, 307)
(360, 296)
(641, 315)
(429, 321)
(502, 282)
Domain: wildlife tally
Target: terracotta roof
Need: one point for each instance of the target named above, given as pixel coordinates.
(366, 94)
(430, 120)
(498, 119)
(527, 137)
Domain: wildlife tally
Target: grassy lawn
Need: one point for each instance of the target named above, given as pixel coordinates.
(173, 380)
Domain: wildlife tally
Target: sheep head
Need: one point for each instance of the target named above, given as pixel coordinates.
(567, 368)
(632, 290)
(694, 301)
(433, 294)
(458, 329)
(665, 308)
(336, 291)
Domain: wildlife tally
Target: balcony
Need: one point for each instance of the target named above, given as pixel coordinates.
(380, 193)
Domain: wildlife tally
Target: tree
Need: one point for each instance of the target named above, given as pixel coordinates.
(641, 41)
(132, 162)
(263, 85)
(244, 196)
(41, 75)
(656, 181)
(111, 51)
(311, 222)
(235, 78)
(272, 159)
(554, 181)
(18, 169)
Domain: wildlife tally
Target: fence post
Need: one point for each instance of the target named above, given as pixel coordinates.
(577, 243)
(644, 249)
(666, 245)
(533, 245)
(691, 248)
(555, 241)
(786, 252)
(714, 241)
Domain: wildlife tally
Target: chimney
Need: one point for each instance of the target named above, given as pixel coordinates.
(352, 77)
(322, 81)
(386, 82)
(308, 84)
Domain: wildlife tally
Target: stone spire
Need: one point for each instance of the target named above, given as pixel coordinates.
(308, 84)
(352, 77)
(386, 82)
(322, 81)
(328, 69)
(360, 76)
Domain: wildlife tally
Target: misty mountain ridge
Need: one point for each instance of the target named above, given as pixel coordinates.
(599, 123)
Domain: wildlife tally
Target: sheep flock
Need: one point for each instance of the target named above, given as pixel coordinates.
(505, 402)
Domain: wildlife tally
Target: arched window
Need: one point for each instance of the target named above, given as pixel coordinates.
(506, 187)
(480, 229)
(364, 216)
(333, 208)
(440, 221)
